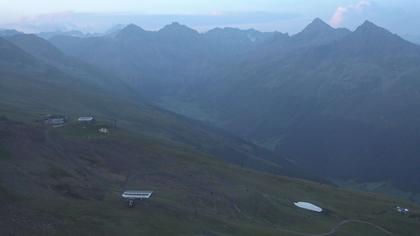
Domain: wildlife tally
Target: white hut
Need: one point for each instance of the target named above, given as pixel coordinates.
(132, 196)
(86, 119)
(308, 206)
(137, 195)
(104, 130)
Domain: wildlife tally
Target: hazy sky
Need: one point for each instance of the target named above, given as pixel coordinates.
(162, 6)
(268, 15)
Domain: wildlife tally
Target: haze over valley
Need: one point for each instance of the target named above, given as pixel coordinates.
(228, 130)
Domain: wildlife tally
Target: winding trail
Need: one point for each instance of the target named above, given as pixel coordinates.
(337, 227)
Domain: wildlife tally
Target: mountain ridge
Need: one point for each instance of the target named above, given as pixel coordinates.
(89, 91)
(353, 79)
(334, 111)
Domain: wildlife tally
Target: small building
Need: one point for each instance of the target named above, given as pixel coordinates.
(54, 120)
(86, 119)
(104, 130)
(308, 206)
(402, 210)
(132, 196)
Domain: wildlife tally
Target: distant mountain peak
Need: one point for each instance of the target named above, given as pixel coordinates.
(131, 30)
(318, 32)
(370, 28)
(9, 32)
(175, 23)
(317, 25)
(318, 21)
(178, 28)
(368, 25)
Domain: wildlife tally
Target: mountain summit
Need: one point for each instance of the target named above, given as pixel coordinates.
(318, 32)
(177, 28)
(342, 106)
(322, 87)
(130, 31)
(318, 26)
(369, 28)
(370, 39)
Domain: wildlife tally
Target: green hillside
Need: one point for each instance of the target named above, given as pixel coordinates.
(31, 88)
(68, 180)
(63, 184)
(343, 104)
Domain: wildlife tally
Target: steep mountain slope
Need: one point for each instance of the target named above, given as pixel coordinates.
(348, 108)
(318, 33)
(8, 32)
(31, 88)
(48, 54)
(68, 180)
(344, 104)
(315, 34)
(61, 184)
(170, 62)
(36, 46)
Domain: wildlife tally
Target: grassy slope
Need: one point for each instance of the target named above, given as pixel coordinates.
(67, 181)
(67, 184)
(30, 87)
(378, 187)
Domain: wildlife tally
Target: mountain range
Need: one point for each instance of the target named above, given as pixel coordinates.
(223, 126)
(347, 106)
(53, 82)
(344, 104)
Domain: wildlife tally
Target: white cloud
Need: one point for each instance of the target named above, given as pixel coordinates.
(342, 11)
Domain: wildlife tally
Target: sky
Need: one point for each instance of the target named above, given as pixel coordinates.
(289, 16)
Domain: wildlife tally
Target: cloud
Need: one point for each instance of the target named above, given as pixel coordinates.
(341, 11)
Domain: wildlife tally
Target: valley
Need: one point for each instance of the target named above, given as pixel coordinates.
(229, 128)
(349, 96)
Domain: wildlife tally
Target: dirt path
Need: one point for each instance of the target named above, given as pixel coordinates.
(337, 227)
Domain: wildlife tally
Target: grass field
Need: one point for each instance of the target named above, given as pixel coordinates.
(68, 180)
(71, 185)
(4, 154)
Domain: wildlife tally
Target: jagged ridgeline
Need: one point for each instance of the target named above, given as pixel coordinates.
(344, 104)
